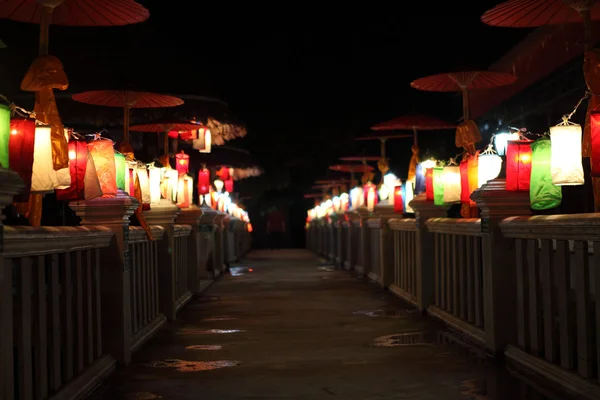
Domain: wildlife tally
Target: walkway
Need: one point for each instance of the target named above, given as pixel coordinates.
(282, 327)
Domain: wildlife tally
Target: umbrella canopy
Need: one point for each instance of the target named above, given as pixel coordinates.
(351, 168)
(312, 195)
(534, 13)
(332, 181)
(363, 159)
(166, 126)
(414, 123)
(127, 99)
(460, 81)
(384, 136)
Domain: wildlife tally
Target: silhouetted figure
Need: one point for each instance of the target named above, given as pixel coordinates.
(275, 228)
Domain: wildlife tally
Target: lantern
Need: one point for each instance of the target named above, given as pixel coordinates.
(398, 202)
(518, 165)
(384, 192)
(451, 182)
(489, 167)
(429, 184)
(154, 180)
(543, 194)
(249, 227)
(130, 177)
(595, 134)
(567, 169)
(501, 141)
(337, 203)
(142, 176)
(122, 170)
(356, 197)
(229, 185)
(78, 160)
(407, 196)
(91, 184)
(344, 200)
(44, 178)
(420, 178)
(170, 184)
(465, 189)
(203, 181)
(473, 172)
(182, 163)
(104, 159)
(370, 192)
(204, 140)
(21, 146)
(218, 185)
(438, 186)
(5, 130)
(185, 191)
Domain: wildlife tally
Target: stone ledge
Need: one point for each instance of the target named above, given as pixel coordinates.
(585, 227)
(455, 226)
(137, 234)
(182, 230)
(403, 224)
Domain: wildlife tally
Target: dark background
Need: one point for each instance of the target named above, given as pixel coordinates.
(304, 79)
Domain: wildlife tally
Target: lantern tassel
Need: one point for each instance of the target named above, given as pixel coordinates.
(139, 210)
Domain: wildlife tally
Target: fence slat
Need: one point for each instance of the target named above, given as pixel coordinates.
(565, 316)
(584, 331)
(40, 344)
(547, 272)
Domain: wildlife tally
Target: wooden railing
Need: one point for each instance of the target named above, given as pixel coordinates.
(405, 258)
(374, 229)
(342, 244)
(181, 237)
(51, 276)
(458, 273)
(145, 315)
(355, 248)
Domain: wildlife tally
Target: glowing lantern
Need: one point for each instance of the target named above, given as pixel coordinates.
(501, 141)
(185, 191)
(356, 197)
(130, 177)
(249, 227)
(203, 181)
(78, 159)
(223, 173)
(473, 171)
(384, 192)
(429, 195)
(344, 198)
(543, 194)
(420, 178)
(204, 141)
(407, 196)
(595, 133)
(370, 192)
(154, 180)
(438, 186)
(21, 146)
(518, 165)
(567, 169)
(43, 177)
(398, 202)
(142, 176)
(465, 189)
(121, 168)
(337, 203)
(489, 167)
(229, 185)
(104, 158)
(5, 131)
(218, 185)
(182, 163)
(170, 184)
(451, 182)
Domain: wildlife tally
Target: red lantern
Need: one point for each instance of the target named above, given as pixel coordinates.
(249, 227)
(518, 165)
(203, 181)
(78, 157)
(229, 185)
(182, 162)
(20, 152)
(595, 128)
(132, 174)
(465, 189)
(371, 197)
(398, 202)
(429, 184)
(223, 173)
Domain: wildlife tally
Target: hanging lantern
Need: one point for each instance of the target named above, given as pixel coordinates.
(249, 227)
(398, 201)
(203, 181)
(204, 141)
(43, 177)
(5, 131)
(223, 173)
(229, 185)
(170, 184)
(370, 191)
(566, 165)
(356, 197)
(337, 203)
(184, 194)
(420, 178)
(154, 180)
(384, 192)
(595, 135)
(21, 147)
(407, 197)
(215, 199)
(451, 182)
(142, 176)
(91, 184)
(438, 186)
(130, 177)
(182, 163)
(104, 158)
(218, 185)
(518, 165)
(122, 170)
(473, 171)
(78, 160)
(501, 141)
(465, 189)
(489, 167)
(429, 195)
(344, 197)
(543, 194)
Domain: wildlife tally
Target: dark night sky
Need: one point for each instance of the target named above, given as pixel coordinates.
(304, 78)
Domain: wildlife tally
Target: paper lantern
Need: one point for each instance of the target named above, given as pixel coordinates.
(370, 191)
(229, 185)
(130, 177)
(44, 179)
(407, 196)
(384, 192)
(185, 191)
(595, 139)
(566, 165)
(182, 163)
(345, 198)
(204, 141)
(429, 195)
(4, 136)
(438, 186)
(223, 173)
(465, 190)
(420, 175)
(218, 185)
(122, 170)
(143, 178)
(501, 141)
(91, 184)
(489, 168)
(337, 203)
(473, 171)
(249, 227)
(398, 201)
(518, 165)
(203, 181)
(543, 194)
(356, 197)
(451, 182)
(78, 160)
(104, 158)
(154, 180)
(21, 147)
(170, 184)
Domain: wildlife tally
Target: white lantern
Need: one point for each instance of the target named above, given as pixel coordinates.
(488, 168)
(219, 185)
(451, 182)
(344, 200)
(337, 203)
(408, 196)
(131, 172)
(204, 141)
(565, 160)
(154, 176)
(501, 141)
(428, 164)
(384, 192)
(356, 197)
(142, 175)
(371, 199)
(44, 179)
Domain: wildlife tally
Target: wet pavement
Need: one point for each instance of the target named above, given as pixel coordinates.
(282, 327)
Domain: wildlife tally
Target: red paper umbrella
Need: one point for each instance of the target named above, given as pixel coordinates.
(351, 168)
(166, 126)
(363, 159)
(534, 13)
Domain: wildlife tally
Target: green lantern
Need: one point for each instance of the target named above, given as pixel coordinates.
(543, 195)
(121, 170)
(4, 135)
(438, 186)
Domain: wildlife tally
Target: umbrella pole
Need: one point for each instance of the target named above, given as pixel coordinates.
(126, 111)
(465, 98)
(166, 144)
(45, 18)
(415, 136)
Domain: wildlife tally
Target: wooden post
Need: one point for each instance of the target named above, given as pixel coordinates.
(386, 212)
(498, 253)
(115, 274)
(363, 265)
(197, 272)
(163, 214)
(219, 254)
(206, 233)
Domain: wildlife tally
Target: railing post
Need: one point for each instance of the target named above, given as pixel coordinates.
(339, 223)
(498, 254)
(10, 185)
(197, 252)
(163, 214)
(363, 265)
(219, 256)
(386, 244)
(206, 234)
(424, 210)
(115, 274)
(351, 261)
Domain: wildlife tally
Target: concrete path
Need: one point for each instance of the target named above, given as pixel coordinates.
(283, 327)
